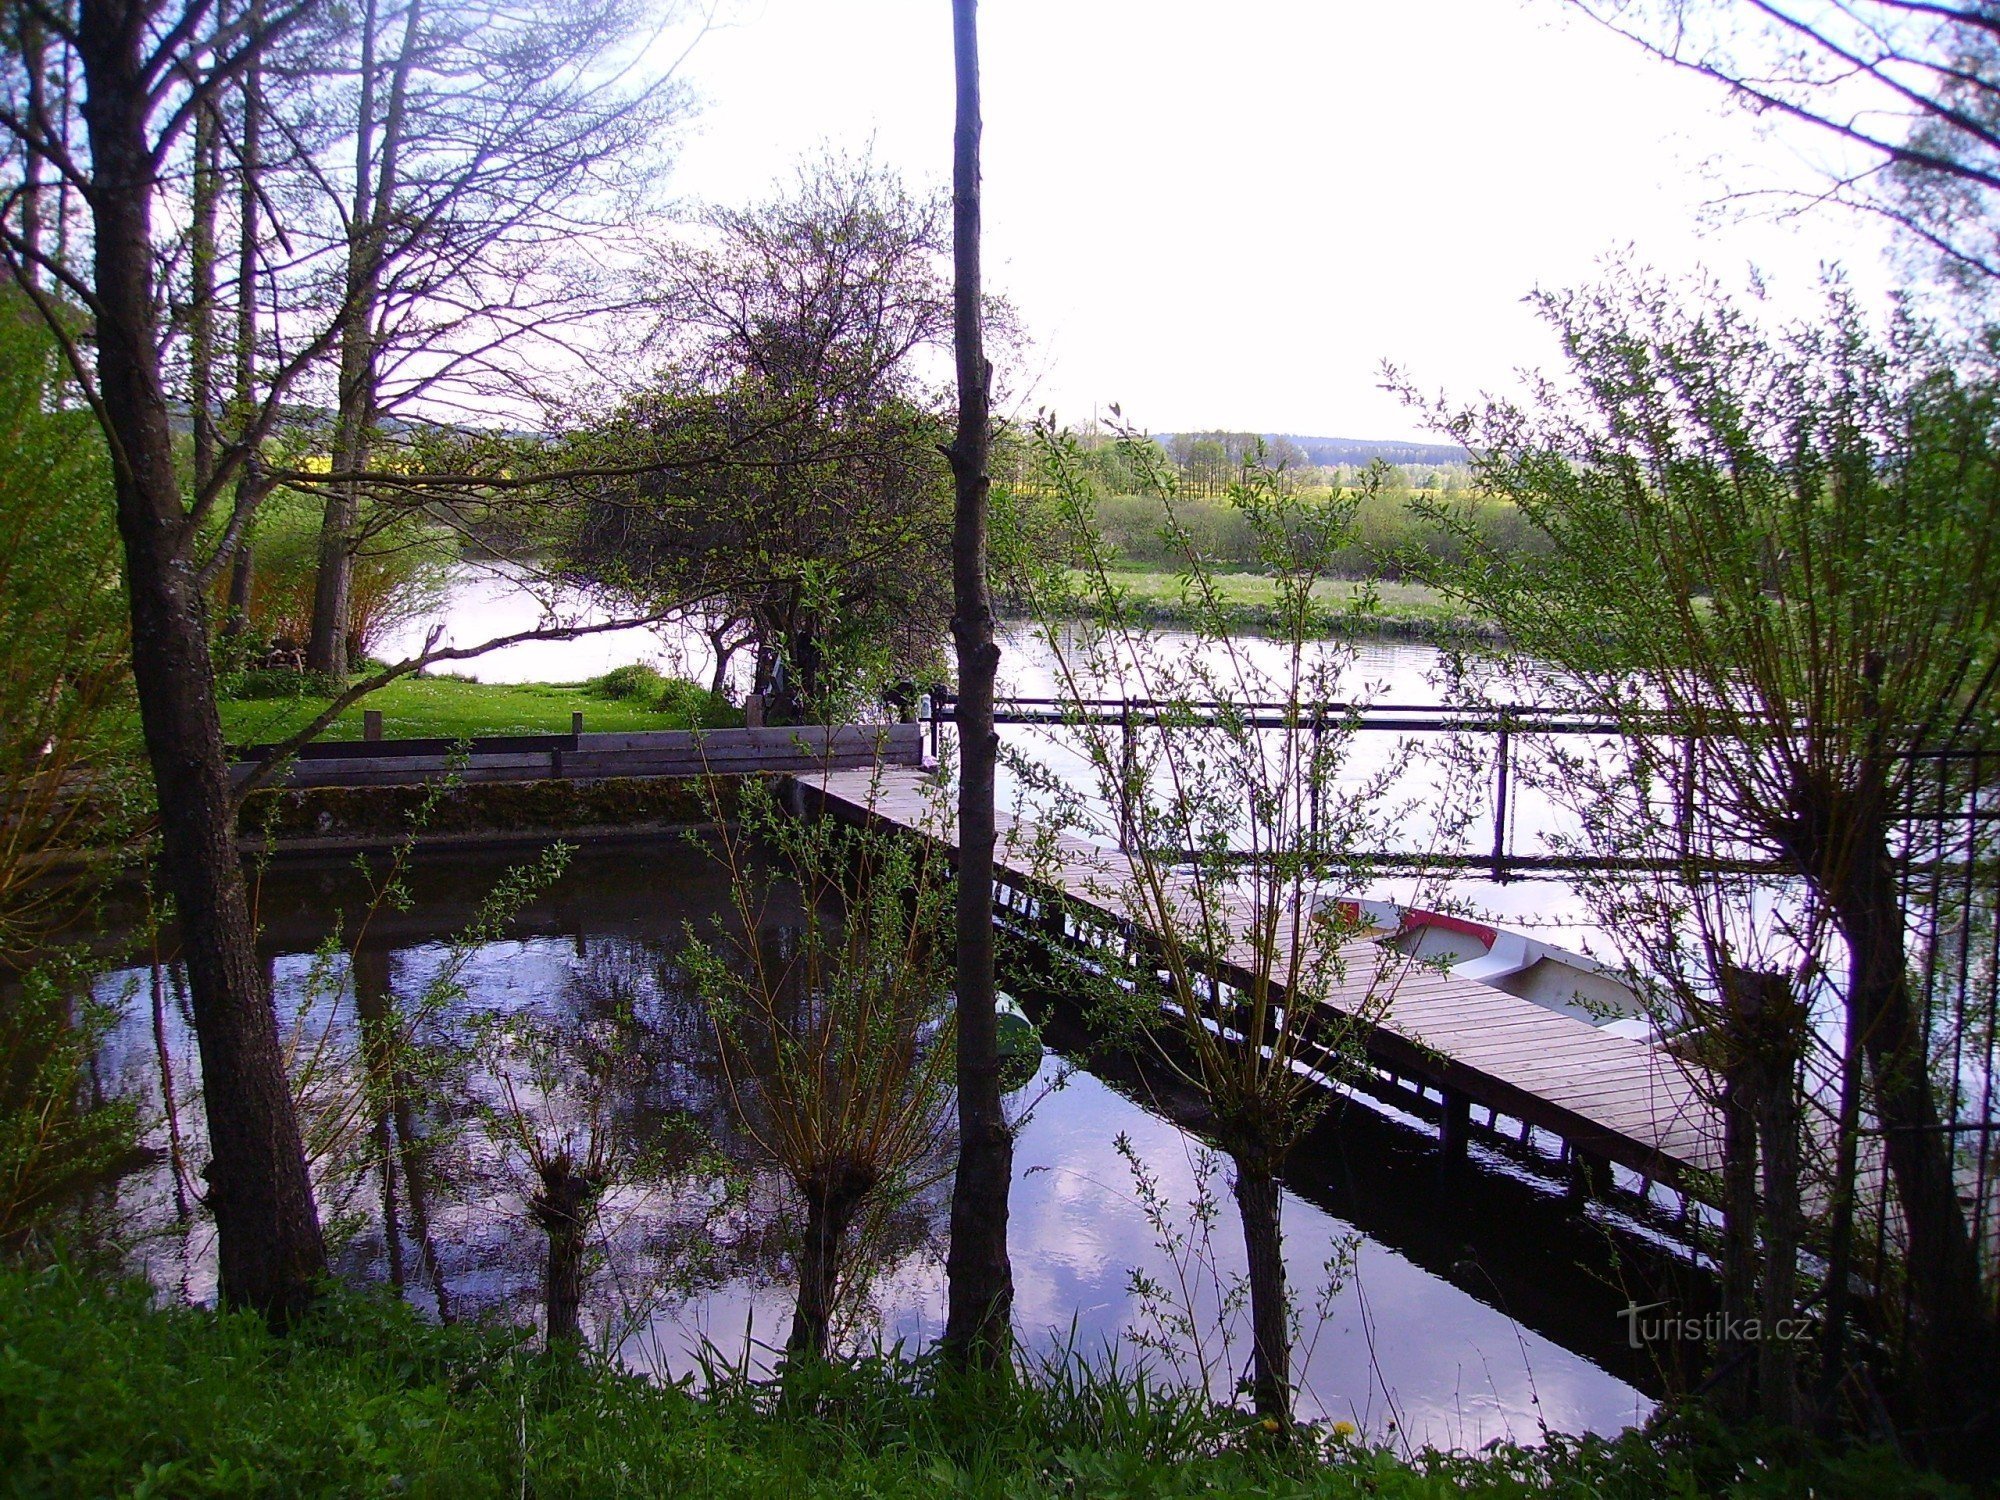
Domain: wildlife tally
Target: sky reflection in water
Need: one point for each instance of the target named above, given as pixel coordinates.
(1413, 1336)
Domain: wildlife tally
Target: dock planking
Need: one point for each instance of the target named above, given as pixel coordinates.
(1610, 1097)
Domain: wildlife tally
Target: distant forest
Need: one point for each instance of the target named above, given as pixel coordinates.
(1318, 452)
(1208, 462)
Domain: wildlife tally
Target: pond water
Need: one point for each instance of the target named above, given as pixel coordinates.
(1475, 1305)
(487, 600)
(1471, 1303)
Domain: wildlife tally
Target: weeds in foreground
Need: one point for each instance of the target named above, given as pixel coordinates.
(101, 1392)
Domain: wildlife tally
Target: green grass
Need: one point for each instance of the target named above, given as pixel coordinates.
(447, 708)
(1410, 608)
(101, 1394)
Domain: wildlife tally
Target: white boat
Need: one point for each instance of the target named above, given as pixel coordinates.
(1571, 983)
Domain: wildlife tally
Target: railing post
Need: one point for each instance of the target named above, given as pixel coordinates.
(1684, 810)
(1313, 770)
(1125, 774)
(371, 724)
(1503, 755)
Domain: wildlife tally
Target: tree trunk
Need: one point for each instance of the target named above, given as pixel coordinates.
(242, 580)
(832, 1201)
(563, 1209)
(724, 649)
(243, 565)
(1258, 1201)
(33, 43)
(1735, 1362)
(267, 1226)
(1778, 1121)
(1840, 1239)
(333, 579)
(1954, 1333)
(205, 206)
(981, 1280)
(376, 183)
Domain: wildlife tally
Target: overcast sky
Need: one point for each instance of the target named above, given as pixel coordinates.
(1229, 214)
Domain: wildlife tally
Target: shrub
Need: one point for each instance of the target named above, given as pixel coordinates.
(56, 1138)
(400, 574)
(634, 680)
(692, 705)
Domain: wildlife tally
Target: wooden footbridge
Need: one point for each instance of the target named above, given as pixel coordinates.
(1609, 1099)
(1443, 1045)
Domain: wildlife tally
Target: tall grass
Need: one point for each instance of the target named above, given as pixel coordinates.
(103, 1393)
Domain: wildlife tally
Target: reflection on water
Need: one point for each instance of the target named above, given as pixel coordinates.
(1474, 1308)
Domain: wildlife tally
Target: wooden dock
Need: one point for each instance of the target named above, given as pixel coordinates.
(1611, 1099)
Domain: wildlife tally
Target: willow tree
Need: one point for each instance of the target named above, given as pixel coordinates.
(831, 1000)
(1778, 546)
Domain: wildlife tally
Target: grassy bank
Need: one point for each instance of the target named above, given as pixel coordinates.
(1402, 609)
(454, 708)
(102, 1394)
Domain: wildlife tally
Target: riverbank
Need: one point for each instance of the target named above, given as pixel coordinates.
(1402, 611)
(102, 1392)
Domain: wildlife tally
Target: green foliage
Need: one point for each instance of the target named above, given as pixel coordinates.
(1249, 602)
(1242, 981)
(685, 704)
(1386, 525)
(54, 1138)
(781, 476)
(400, 573)
(103, 1393)
(379, 813)
(824, 532)
(830, 993)
(1772, 554)
(65, 716)
(1829, 499)
(691, 704)
(634, 680)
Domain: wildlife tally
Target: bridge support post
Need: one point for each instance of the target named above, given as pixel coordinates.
(1589, 1175)
(1456, 1127)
